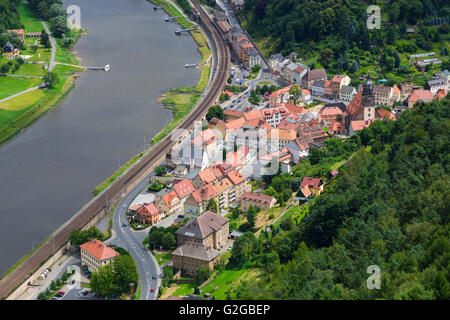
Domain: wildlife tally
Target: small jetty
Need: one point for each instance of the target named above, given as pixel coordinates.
(167, 19)
(105, 68)
(179, 31)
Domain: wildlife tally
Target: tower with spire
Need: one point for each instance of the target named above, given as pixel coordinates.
(368, 100)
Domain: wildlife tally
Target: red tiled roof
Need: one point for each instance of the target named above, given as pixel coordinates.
(336, 126)
(311, 182)
(420, 95)
(385, 114)
(99, 250)
(235, 124)
(205, 193)
(183, 188)
(236, 177)
(355, 106)
(232, 113)
(358, 125)
(168, 198)
(257, 198)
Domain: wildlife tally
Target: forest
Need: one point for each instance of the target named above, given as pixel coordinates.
(9, 15)
(387, 207)
(333, 34)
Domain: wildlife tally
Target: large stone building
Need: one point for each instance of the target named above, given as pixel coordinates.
(209, 229)
(191, 256)
(95, 254)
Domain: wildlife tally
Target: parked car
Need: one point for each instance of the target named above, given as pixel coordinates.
(153, 277)
(152, 290)
(54, 298)
(124, 224)
(85, 293)
(181, 216)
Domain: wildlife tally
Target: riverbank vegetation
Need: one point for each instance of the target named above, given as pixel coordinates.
(24, 73)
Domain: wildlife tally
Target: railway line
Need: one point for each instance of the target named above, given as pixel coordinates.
(128, 178)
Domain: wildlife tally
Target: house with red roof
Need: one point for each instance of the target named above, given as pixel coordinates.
(198, 200)
(279, 96)
(328, 114)
(358, 125)
(384, 114)
(95, 254)
(147, 214)
(315, 185)
(336, 128)
(169, 204)
(183, 188)
(419, 95)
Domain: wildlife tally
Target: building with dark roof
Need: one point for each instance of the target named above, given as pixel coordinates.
(209, 229)
(192, 255)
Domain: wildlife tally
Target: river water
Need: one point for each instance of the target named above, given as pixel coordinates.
(48, 172)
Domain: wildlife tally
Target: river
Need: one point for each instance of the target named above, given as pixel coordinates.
(48, 172)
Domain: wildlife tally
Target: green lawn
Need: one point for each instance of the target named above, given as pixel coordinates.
(163, 257)
(184, 289)
(227, 280)
(30, 22)
(10, 86)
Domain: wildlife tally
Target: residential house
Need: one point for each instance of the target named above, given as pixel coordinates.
(419, 95)
(258, 200)
(279, 96)
(336, 128)
(146, 214)
(198, 200)
(183, 189)
(347, 93)
(436, 84)
(20, 33)
(169, 204)
(358, 125)
(336, 84)
(328, 114)
(313, 75)
(318, 88)
(299, 148)
(278, 139)
(314, 184)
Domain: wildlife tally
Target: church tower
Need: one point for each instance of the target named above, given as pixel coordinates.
(368, 100)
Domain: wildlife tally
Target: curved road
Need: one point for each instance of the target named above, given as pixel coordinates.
(125, 237)
(134, 173)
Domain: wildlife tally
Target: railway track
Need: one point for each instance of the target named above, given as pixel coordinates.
(60, 238)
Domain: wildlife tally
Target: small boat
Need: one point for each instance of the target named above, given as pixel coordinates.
(107, 67)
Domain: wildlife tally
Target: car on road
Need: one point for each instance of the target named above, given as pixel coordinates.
(152, 290)
(124, 224)
(181, 216)
(153, 277)
(85, 293)
(54, 298)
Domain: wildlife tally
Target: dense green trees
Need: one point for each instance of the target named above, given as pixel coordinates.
(162, 237)
(116, 277)
(78, 237)
(215, 112)
(9, 16)
(387, 207)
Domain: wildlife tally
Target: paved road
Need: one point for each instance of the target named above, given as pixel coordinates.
(53, 43)
(125, 237)
(20, 93)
